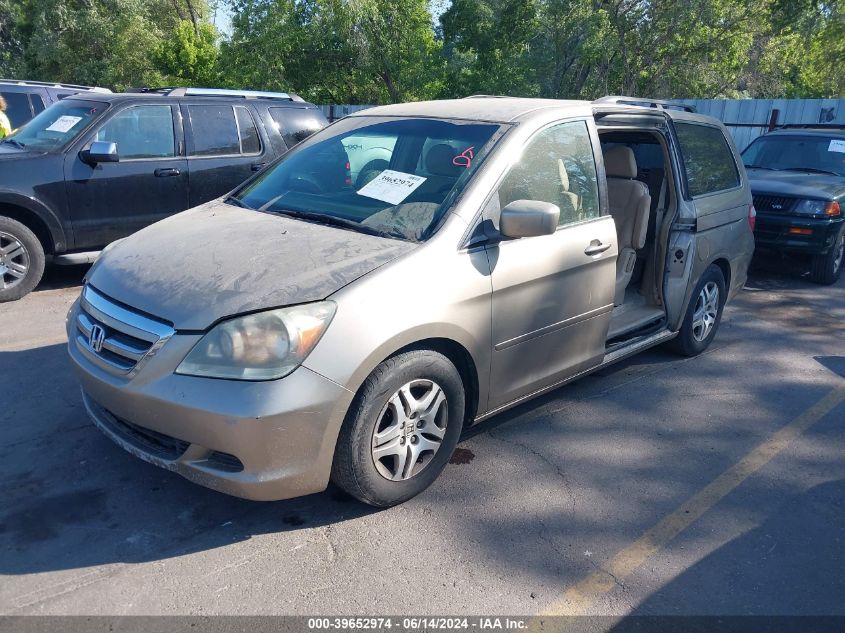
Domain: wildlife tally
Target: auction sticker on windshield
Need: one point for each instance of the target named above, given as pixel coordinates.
(64, 124)
(836, 146)
(391, 186)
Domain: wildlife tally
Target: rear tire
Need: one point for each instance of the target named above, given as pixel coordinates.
(704, 314)
(826, 269)
(21, 260)
(401, 429)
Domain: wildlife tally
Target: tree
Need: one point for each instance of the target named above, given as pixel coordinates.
(11, 44)
(341, 51)
(190, 56)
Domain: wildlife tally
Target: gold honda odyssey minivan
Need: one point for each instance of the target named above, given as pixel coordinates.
(402, 274)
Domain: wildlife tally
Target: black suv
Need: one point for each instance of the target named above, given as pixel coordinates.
(26, 99)
(797, 176)
(94, 168)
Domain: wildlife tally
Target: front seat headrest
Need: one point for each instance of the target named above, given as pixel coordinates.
(438, 161)
(620, 162)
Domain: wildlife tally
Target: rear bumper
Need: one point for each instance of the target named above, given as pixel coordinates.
(257, 440)
(772, 233)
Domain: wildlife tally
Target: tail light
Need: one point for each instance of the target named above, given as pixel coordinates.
(752, 216)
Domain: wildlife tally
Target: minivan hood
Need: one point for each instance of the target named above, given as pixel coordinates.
(218, 260)
(796, 184)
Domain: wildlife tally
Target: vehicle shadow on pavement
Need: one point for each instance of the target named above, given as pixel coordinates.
(72, 499)
(56, 277)
(790, 564)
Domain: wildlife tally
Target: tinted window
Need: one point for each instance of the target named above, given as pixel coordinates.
(558, 167)
(141, 132)
(296, 124)
(214, 129)
(250, 143)
(707, 157)
(396, 193)
(17, 108)
(795, 152)
(37, 103)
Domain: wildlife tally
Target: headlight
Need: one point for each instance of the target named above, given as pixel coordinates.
(260, 346)
(823, 208)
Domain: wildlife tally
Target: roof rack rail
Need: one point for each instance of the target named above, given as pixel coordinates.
(53, 84)
(172, 91)
(641, 102)
(804, 126)
(488, 97)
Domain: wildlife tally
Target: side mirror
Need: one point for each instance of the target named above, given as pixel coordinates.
(100, 152)
(529, 218)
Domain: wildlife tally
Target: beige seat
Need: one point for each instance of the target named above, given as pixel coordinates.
(629, 205)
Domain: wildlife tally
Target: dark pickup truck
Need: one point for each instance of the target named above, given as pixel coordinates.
(797, 177)
(93, 168)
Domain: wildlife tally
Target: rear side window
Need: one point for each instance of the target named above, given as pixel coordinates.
(295, 124)
(221, 130)
(17, 108)
(708, 159)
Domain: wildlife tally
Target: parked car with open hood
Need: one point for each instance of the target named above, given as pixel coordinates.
(797, 176)
(94, 168)
(313, 326)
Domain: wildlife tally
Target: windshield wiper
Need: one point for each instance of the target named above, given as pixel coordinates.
(760, 167)
(813, 170)
(330, 220)
(15, 142)
(238, 203)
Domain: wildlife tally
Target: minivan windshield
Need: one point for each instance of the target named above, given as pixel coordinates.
(388, 176)
(794, 152)
(59, 124)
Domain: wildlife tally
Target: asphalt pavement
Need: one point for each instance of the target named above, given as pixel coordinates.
(705, 486)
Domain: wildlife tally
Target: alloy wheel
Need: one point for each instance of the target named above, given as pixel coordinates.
(706, 310)
(14, 261)
(410, 430)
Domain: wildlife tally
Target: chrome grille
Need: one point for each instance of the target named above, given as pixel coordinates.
(114, 337)
(774, 204)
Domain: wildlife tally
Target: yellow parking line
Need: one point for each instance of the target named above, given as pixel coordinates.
(579, 598)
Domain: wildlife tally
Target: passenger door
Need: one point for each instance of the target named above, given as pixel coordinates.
(552, 295)
(224, 148)
(108, 201)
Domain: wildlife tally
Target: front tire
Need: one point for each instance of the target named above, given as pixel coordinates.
(827, 268)
(401, 429)
(704, 314)
(21, 260)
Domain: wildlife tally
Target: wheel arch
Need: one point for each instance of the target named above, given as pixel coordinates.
(37, 218)
(457, 354)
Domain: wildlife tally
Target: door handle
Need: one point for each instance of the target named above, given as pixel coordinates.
(166, 172)
(257, 166)
(596, 248)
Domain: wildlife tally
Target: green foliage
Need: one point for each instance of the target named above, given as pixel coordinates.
(375, 51)
(189, 57)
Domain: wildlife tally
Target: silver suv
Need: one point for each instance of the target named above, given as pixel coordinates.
(321, 324)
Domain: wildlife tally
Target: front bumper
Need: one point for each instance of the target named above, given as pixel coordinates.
(772, 233)
(257, 440)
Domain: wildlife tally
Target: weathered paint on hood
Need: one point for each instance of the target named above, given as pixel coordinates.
(796, 184)
(218, 260)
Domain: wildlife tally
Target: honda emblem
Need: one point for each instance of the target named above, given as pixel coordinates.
(96, 338)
